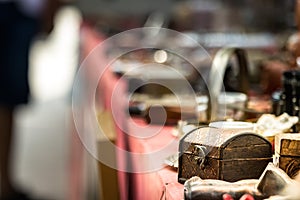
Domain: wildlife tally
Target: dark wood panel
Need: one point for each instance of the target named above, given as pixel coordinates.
(255, 151)
(234, 170)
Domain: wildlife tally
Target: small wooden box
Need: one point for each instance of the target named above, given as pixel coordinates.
(287, 152)
(230, 155)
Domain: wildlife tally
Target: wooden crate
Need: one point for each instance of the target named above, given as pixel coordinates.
(287, 152)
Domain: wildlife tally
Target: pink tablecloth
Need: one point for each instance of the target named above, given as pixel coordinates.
(158, 184)
(162, 183)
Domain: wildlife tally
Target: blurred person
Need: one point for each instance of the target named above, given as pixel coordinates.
(20, 22)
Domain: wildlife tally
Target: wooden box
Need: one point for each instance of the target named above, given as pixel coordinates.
(287, 152)
(230, 155)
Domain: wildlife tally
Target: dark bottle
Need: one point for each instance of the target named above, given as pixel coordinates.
(290, 96)
(287, 83)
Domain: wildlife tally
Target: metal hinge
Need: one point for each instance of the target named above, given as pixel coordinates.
(200, 155)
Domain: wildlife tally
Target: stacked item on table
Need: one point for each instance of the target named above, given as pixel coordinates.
(239, 151)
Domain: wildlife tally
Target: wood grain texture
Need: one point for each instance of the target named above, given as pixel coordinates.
(288, 144)
(233, 156)
(291, 165)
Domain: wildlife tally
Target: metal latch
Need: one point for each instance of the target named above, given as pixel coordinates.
(200, 155)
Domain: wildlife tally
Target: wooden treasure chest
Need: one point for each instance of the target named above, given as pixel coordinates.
(287, 153)
(224, 154)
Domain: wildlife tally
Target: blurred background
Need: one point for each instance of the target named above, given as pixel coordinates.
(46, 163)
(43, 125)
